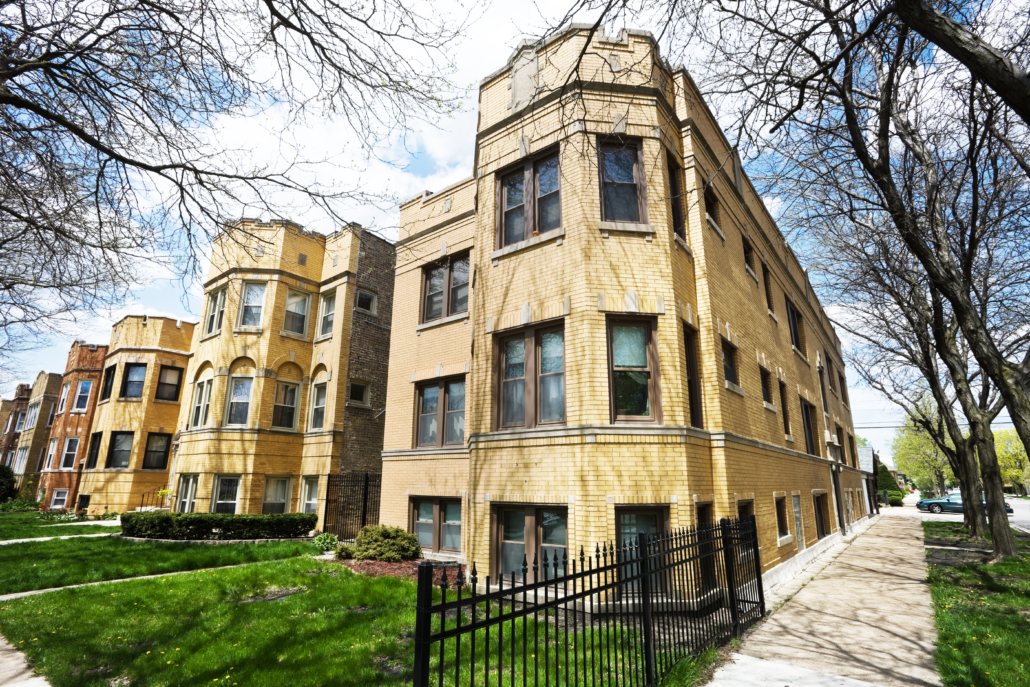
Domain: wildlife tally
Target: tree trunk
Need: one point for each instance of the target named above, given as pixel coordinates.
(1001, 533)
(964, 467)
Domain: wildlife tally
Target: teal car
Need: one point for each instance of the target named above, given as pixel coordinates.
(949, 504)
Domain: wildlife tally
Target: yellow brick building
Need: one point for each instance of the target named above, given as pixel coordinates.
(602, 332)
(129, 449)
(285, 384)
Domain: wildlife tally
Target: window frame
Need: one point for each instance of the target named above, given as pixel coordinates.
(532, 532)
(693, 368)
(296, 404)
(767, 282)
(305, 493)
(784, 410)
(190, 482)
(782, 521)
(766, 377)
(729, 354)
(125, 380)
(215, 488)
(229, 402)
(108, 465)
(107, 384)
(530, 169)
(53, 498)
(678, 216)
(324, 406)
(286, 501)
(441, 385)
(822, 388)
(93, 453)
(201, 402)
(215, 318)
(639, 178)
(306, 299)
(366, 394)
(32, 414)
(21, 458)
(439, 503)
(78, 395)
(51, 452)
(74, 453)
(178, 385)
(749, 254)
(374, 310)
(448, 284)
(243, 307)
(532, 337)
(147, 451)
(653, 366)
(843, 446)
(795, 324)
(19, 422)
(62, 404)
(842, 383)
(328, 296)
(810, 427)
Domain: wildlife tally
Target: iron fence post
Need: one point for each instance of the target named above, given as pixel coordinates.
(423, 620)
(645, 606)
(758, 564)
(364, 502)
(731, 576)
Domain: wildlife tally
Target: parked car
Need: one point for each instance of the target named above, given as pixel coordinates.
(949, 504)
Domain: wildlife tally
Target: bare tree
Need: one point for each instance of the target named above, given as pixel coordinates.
(112, 117)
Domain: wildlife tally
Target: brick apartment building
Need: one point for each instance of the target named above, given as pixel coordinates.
(30, 453)
(13, 423)
(591, 341)
(73, 417)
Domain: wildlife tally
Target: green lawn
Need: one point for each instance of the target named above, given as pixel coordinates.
(57, 563)
(28, 525)
(982, 614)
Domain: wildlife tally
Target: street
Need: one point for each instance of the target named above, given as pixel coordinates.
(1020, 516)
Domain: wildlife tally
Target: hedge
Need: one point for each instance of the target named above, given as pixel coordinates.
(162, 525)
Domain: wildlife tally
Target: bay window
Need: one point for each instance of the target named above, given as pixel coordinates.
(156, 455)
(215, 311)
(201, 403)
(119, 450)
(238, 408)
(318, 394)
(622, 183)
(296, 320)
(328, 306)
(441, 404)
(446, 288)
(132, 380)
(252, 304)
(108, 383)
(526, 533)
(226, 494)
(531, 377)
(284, 410)
(277, 495)
(632, 369)
(530, 200)
(169, 382)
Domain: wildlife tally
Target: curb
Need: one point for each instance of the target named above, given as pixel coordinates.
(214, 541)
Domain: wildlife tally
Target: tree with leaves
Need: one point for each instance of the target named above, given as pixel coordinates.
(917, 455)
(1012, 458)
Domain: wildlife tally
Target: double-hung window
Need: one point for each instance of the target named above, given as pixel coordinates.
(530, 200)
(766, 385)
(622, 183)
(767, 281)
(226, 494)
(797, 327)
(679, 224)
(215, 311)
(632, 370)
(441, 403)
(201, 403)
(808, 422)
(20, 460)
(729, 362)
(532, 377)
(59, 499)
(50, 416)
(51, 450)
(309, 496)
(822, 389)
(437, 524)
(252, 304)
(71, 448)
(325, 328)
(318, 394)
(132, 380)
(238, 407)
(64, 397)
(82, 395)
(277, 495)
(530, 533)
(19, 424)
(169, 382)
(119, 450)
(446, 288)
(843, 388)
(284, 410)
(693, 376)
(156, 455)
(108, 384)
(30, 420)
(784, 410)
(749, 256)
(94, 450)
(297, 305)
(186, 498)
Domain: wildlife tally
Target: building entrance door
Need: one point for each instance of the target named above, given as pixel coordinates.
(799, 530)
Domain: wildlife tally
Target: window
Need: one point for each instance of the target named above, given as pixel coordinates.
(226, 493)
(7, 425)
(829, 373)
(156, 455)
(532, 378)
(132, 380)
(711, 206)
(693, 377)
(277, 494)
(108, 385)
(797, 331)
(296, 312)
(622, 182)
(749, 256)
(446, 289)
(745, 509)
(253, 303)
(358, 393)
(318, 406)
(766, 385)
(328, 306)
(20, 422)
(238, 407)
(64, 398)
(365, 300)
(120, 450)
(854, 451)
(59, 499)
(822, 515)
(169, 382)
(843, 444)
(30, 421)
(632, 365)
(822, 390)
(51, 450)
(679, 225)
(186, 499)
(71, 448)
(782, 526)
(20, 459)
(767, 280)
(808, 423)
(441, 403)
(201, 403)
(783, 409)
(513, 386)
(843, 388)
(284, 410)
(729, 362)
(215, 311)
(50, 417)
(530, 201)
(437, 524)
(94, 450)
(528, 533)
(310, 495)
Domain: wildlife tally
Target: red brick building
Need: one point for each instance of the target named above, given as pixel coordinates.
(69, 439)
(11, 430)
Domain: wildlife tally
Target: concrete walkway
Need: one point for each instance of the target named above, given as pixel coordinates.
(70, 536)
(867, 617)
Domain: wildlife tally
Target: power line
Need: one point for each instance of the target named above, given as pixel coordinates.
(899, 426)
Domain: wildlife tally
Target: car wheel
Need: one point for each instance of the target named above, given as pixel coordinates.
(936, 508)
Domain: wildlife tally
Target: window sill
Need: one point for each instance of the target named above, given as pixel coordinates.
(737, 389)
(81, 411)
(294, 335)
(715, 227)
(773, 316)
(106, 400)
(626, 227)
(284, 430)
(166, 402)
(247, 330)
(354, 404)
(370, 313)
(682, 244)
(783, 541)
(769, 406)
(212, 335)
(324, 337)
(525, 244)
(751, 273)
(130, 400)
(442, 321)
(801, 355)
(788, 437)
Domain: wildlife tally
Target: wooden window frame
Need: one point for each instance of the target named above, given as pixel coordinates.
(438, 510)
(111, 449)
(690, 351)
(678, 215)
(531, 374)
(323, 314)
(296, 405)
(313, 395)
(638, 175)
(728, 347)
(93, 454)
(767, 281)
(653, 366)
(822, 388)
(125, 380)
(532, 532)
(663, 517)
(448, 278)
(783, 408)
(214, 315)
(766, 377)
(146, 450)
(808, 424)
(243, 305)
(306, 299)
(374, 310)
(842, 383)
(178, 385)
(441, 411)
(749, 254)
(530, 193)
(201, 403)
(107, 385)
(795, 323)
(843, 446)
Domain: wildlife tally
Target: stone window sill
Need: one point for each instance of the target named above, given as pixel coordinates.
(683, 244)
(324, 337)
(212, 335)
(783, 541)
(626, 227)
(769, 406)
(526, 244)
(734, 388)
(354, 404)
(751, 273)
(248, 330)
(106, 400)
(773, 316)
(715, 227)
(801, 355)
(284, 430)
(294, 335)
(130, 400)
(166, 402)
(442, 321)
(788, 437)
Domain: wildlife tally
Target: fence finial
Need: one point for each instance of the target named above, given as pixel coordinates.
(475, 576)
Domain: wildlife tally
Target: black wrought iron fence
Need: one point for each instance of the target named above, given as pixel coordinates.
(621, 616)
(351, 502)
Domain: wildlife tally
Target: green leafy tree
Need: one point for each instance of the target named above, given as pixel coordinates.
(918, 456)
(1012, 458)
(7, 483)
(861, 441)
(885, 480)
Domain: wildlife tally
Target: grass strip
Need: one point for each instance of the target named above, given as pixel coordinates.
(29, 526)
(982, 614)
(29, 566)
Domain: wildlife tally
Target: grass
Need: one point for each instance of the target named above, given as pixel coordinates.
(57, 563)
(982, 613)
(28, 525)
(692, 671)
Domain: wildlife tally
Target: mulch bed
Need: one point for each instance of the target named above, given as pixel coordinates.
(405, 569)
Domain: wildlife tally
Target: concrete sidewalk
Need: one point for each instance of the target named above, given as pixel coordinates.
(866, 617)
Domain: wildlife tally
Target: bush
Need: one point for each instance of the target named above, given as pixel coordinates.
(7, 488)
(162, 525)
(345, 552)
(384, 543)
(326, 541)
(896, 499)
(16, 506)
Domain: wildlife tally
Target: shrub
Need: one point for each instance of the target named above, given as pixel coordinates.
(16, 506)
(345, 552)
(326, 541)
(384, 543)
(7, 488)
(896, 499)
(162, 525)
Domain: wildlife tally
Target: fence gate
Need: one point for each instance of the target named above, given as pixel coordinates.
(351, 502)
